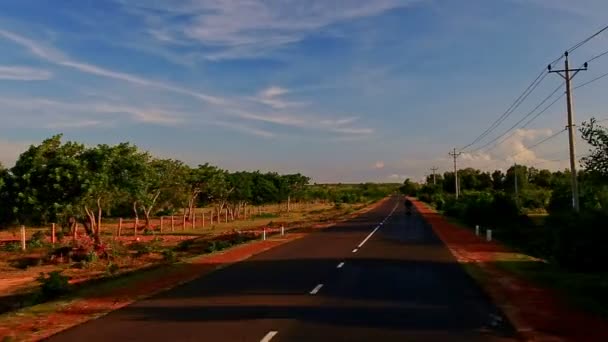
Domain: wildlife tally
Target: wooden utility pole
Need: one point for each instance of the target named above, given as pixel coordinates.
(455, 156)
(567, 76)
(515, 174)
(434, 179)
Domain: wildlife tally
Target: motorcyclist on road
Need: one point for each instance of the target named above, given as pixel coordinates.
(408, 206)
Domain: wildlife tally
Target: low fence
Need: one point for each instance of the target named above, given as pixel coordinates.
(199, 219)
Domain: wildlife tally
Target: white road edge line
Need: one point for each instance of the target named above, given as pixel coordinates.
(340, 265)
(316, 289)
(269, 336)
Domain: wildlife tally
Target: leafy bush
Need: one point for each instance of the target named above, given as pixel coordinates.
(12, 247)
(210, 247)
(222, 244)
(24, 263)
(579, 240)
(169, 256)
(59, 235)
(37, 240)
(141, 248)
(53, 285)
(112, 268)
(184, 245)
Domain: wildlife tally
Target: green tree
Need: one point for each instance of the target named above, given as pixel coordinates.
(161, 180)
(498, 180)
(49, 183)
(112, 173)
(295, 184)
(409, 188)
(204, 184)
(597, 137)
(242, 183)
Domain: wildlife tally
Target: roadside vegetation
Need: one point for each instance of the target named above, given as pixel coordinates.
(538, 219)
(85, 192)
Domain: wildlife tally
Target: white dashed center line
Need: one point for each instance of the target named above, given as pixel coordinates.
(340, 265)
(316, 289)
(269, 336)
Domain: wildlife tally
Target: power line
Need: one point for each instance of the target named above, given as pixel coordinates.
(598, 56)
(591, 81)
(584, 41)
(538, 143)
(518, 101)
(520, 121)
(526, 124)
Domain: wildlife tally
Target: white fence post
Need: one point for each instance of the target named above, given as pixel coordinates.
(477, 230)
(489, 235)
(23, 238)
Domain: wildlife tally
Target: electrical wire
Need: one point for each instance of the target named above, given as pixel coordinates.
(538, 143)
(518, 101)
(524, 125)
(584, 41)
(591, 81)
(521, 120)
(598, 56)
(522, 97)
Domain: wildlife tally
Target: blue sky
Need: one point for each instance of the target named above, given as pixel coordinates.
(348, 90)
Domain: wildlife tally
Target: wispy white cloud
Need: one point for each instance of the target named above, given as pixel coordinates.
(55, 56)
(273, 91)
(352, 130)
(74, 124)
(22, 73)
(246, 28)
(243, 129)
(379, 165)
(271, 97)
(60, 109)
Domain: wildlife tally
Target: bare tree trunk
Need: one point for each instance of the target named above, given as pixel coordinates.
(98, 225)
(288, 203)
(192, 203)
(73, 224)
(92, 222)
(146, 217)
(136, 214)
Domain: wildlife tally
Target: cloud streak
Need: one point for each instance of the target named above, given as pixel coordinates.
(21, 73)
(249, 28)
(60, 108)
(235, 107)
(57, 57)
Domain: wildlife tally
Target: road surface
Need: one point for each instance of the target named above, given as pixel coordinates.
(383, 276)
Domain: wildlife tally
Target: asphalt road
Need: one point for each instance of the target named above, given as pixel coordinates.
(383, 276)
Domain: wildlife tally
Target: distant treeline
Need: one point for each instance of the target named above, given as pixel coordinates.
(67, 182)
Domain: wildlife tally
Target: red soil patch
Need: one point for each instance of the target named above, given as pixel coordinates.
(537, 313)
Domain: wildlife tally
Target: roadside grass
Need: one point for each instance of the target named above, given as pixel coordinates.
(588, 291)
(585, 290)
